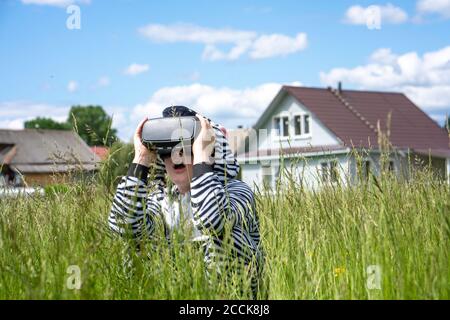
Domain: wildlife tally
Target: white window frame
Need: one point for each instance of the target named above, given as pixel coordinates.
(291, 123)
(280, 135)
(309, 125)
(329, 172)
(366, 172)
(301, 124)
(302, 135)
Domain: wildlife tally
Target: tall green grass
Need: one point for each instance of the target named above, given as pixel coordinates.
(318, 245)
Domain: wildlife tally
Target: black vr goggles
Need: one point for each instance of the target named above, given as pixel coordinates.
(164, 134)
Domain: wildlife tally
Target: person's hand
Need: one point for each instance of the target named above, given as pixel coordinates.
(204, 144)
(142, 155)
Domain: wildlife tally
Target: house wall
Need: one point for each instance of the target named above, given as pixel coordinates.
(288, 106)
(400, 165)
(43, 179)
(307, 171)
(403, 164)
(438, 165)
(251, 174)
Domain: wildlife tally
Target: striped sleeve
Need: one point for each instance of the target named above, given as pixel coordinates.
(215, 204)
(136, 205)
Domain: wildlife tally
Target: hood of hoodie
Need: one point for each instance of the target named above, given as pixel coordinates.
(225, 165)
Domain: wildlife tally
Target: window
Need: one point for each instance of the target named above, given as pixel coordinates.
(391, 167)
(277, 174)
(266, 171)
(306, 120)
(330, 171)
(285, 126)
(324, 170)
(366, 169)
(334, 173)
(277, 126)
(281, 125)
(298, 125)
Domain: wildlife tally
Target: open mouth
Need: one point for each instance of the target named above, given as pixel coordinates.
(179, 166)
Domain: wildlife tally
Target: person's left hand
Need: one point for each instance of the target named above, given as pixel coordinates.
(204, 144)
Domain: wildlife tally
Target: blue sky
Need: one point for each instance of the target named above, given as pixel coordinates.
(227, 59)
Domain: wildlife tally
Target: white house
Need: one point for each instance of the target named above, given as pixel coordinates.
(313, 132)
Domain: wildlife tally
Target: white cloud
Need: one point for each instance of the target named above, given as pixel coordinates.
(439, 7)
(11, 124)
(103, 81)
(194, 76)
(135, 69)
(388, 13)
(13, 114)
(277, 45)
(192, 33)
(439, 118)
(56, 3)
(425, 79)
(383, 56)
(72, 86)
(212, 53)
(436, 97)
(228, 106)
(258, 46)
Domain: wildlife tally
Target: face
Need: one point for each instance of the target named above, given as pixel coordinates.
(179, 169)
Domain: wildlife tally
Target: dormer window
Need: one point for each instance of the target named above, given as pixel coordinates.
(298, 125)
(277, 125)
(301, 123)
(281, 125)
(306, 120)
(285, 126)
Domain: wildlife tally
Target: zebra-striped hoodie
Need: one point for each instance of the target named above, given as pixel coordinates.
(217, 202)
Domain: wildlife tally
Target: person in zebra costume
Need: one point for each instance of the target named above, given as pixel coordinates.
(205, 195)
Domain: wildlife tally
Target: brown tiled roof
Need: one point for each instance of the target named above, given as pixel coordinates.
(353, 115)
(101, 151)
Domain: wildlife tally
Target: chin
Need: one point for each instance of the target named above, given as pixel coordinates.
(180, 177)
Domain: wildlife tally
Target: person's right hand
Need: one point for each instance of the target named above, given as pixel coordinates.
(142, 155)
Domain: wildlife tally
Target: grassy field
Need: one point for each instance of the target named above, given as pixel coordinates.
(319, 245)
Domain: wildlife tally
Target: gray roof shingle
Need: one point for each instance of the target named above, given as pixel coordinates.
(41, 150)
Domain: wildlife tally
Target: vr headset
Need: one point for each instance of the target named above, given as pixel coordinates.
(164, 134)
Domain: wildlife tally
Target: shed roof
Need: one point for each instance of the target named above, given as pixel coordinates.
(40, 150)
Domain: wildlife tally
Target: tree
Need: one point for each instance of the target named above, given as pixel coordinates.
(93, 125)
(46, 123)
